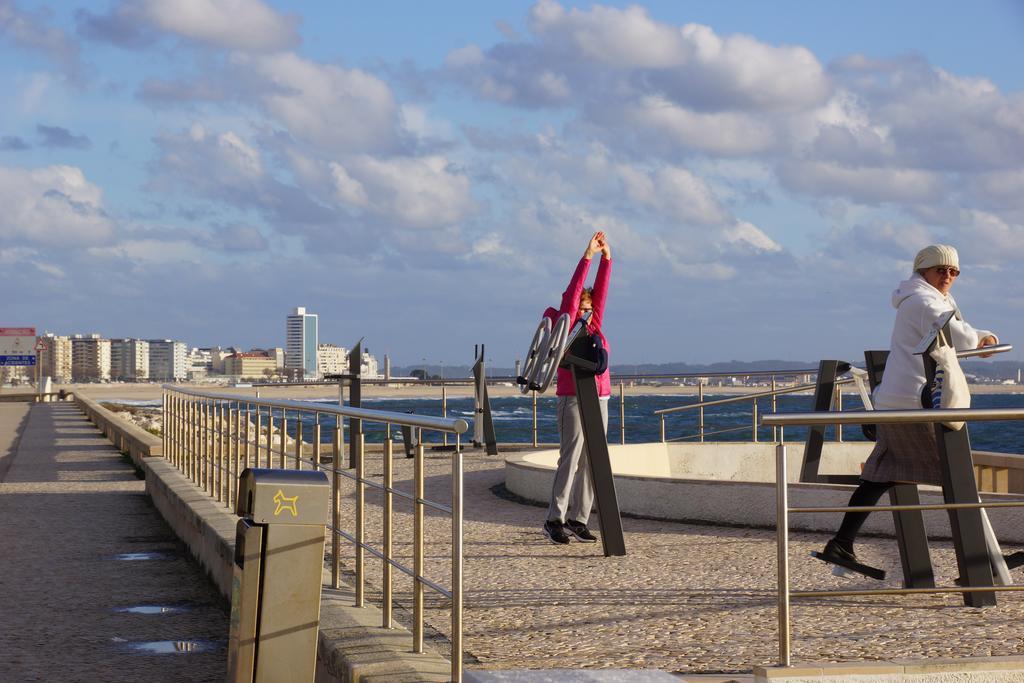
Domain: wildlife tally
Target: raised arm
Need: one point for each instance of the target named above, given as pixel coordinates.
(600, 294)
(571, 296)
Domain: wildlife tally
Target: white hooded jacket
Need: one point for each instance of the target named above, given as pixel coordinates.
(919, 306)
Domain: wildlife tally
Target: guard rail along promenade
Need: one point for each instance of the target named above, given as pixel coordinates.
(212, 438)
(782, 420)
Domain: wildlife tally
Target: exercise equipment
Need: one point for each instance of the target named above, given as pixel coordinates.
(546, 350)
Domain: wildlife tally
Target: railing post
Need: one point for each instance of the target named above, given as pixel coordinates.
(270, 438)
(444, 412)
(298, 441)
(417, 549)
(386, 584)
(284, 439)
(248, 426)
(622, 413)
(662, 428)
(457, 503)
(218, 450)
(775, 405)
(337, 442)
(755, 420)
(782, 537)
(165, 421)
(360, 495)
(236, 455)
(316, 441)
(700, 412)
(534, 418)
(839, 408)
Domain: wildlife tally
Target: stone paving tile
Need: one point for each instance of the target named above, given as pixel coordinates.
(686, 598)
(70, 507)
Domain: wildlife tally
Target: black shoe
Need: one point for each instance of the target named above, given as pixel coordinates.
(580, 531)
(839, 556)
(555, 531)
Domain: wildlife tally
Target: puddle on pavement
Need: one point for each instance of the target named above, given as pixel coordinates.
(153, 609)
(132, 557)
(165, 647)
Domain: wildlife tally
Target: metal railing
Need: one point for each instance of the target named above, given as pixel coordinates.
(782, 420)
(623, 380)
(211, 438)
(772, 394)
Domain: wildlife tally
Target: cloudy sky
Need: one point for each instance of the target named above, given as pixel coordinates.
(426, 174)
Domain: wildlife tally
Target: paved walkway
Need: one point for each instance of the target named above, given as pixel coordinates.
(686, 599)
(93, 585)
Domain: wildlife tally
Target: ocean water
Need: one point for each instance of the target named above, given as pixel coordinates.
(513, 419)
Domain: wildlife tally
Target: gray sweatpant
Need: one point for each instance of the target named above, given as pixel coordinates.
(572, 495)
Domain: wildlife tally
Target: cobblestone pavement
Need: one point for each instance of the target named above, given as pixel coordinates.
(686, 598)
(93, 585)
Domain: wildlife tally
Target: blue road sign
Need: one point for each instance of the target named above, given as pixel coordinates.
(17, 360)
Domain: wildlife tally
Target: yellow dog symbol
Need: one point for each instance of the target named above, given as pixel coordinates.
(285, 503)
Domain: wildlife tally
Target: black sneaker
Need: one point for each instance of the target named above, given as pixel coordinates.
(555, 531)
(580, 531)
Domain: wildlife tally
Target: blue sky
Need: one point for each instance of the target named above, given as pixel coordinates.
(425, 175)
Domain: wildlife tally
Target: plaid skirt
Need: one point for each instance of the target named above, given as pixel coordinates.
(904, 453)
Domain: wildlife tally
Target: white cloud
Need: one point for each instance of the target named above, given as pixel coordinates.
(234, 24)
(418, 192)
(675, 193)
(336, 110)
(748, 234)
(618, 38)
(869, 185)
(52, 205)
(718, 133)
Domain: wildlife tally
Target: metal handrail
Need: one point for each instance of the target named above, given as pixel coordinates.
(207, 436)
(782, 420)
(439, 424)
(859, 417)
(745, 397)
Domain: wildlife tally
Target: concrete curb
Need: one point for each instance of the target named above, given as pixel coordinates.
(352, 644)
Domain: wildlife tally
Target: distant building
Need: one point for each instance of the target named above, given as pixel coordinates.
(369, 368)
(168, 360)
(90, 358)
(199, 364)
(129, 360)
(331, 359)
(301, 341)
(251, 365)
(55, 359)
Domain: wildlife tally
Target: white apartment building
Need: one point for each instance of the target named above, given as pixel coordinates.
(168, 360)
(301, 341)
(55, 360)
(369, 368)
(331, 359)
(129, 360)
(90, 358)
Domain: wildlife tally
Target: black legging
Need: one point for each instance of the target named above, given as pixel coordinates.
(866, 494)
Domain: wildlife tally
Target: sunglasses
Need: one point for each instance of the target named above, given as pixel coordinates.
(942, 270)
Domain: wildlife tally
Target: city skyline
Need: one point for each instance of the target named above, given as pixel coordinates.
(426, 179)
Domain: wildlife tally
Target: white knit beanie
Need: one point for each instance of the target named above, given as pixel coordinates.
(936, 255)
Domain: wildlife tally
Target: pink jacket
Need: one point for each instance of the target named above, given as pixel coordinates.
(571, 305)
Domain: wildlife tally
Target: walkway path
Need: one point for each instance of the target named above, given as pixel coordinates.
(687, 598)
(93, 584)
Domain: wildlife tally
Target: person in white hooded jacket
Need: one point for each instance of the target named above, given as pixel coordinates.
(907, 453)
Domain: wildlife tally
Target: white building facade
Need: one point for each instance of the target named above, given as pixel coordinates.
(129, 360)
(301, 342)
(168, 360)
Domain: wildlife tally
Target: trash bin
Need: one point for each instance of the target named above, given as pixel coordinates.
(275, 592)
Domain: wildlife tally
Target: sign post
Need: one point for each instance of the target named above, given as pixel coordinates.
(17, 346)
(40, 347)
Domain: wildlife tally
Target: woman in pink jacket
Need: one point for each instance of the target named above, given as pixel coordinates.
(572, 495)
